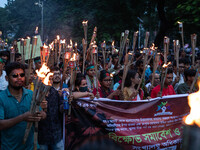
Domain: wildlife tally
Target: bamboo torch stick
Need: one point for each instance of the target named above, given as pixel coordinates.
(103, 47)
(181, 32)
(146, 62)
(95, 52)
(84, 52)
(155, 65)
(125, 71)
(163, 77)
(134, 44)
(195, 79)
(146, 40)
(177, 56)
(113, 47)
(193, 43)
(165, 49)
(122, 45)
(85, 26)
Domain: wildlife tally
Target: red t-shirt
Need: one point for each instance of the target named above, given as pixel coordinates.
(166, 91)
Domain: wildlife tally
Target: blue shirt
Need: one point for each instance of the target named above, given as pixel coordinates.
(12, 138)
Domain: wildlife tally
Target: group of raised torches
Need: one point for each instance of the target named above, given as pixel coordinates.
(124, 74)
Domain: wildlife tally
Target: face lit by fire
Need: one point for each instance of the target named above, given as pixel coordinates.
(56, 76)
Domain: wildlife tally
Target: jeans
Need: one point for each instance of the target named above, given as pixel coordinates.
(57, 146)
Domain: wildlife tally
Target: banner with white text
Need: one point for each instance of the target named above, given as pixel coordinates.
(143, 125)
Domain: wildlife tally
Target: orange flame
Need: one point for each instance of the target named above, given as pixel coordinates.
(84, 23)
(194, 103)
(62, 41)
(45, 46)
(44, 73)
(58, 37)
(73, 58)
(166, 65)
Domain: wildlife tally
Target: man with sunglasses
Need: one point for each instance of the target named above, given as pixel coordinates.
(15, 103)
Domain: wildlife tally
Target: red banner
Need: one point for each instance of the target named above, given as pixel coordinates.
(143, 125)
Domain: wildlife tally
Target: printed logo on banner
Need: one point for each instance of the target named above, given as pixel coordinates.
(164, 107)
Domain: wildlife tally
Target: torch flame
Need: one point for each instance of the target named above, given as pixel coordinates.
(44, 74)
(73, 58)
(58, 37)
(153, 46)
(85, 23)
(45, 46)
(71, 42)
(63, 41)
(166, 65)
(194, 103)
(113, 43)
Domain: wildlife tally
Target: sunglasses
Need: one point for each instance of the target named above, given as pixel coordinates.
(18, 74)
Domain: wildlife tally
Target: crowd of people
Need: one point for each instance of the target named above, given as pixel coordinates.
(105, 82)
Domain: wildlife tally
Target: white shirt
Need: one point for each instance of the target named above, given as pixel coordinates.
(3, 81)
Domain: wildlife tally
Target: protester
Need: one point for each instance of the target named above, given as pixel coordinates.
(18, 57)
(50, 129)
(130, 87)
(120, 75)
(177, 80)
(15, 103)
(189, 75)
(105, 90)
(90, 77)
(149, 85)
(37, 63)
(3, 81)
(167, 89)
(81, 89)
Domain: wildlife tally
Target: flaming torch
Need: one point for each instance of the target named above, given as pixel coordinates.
(85, 25)
(181, 32)
(191, 129)
(42, 86)
(163, 76)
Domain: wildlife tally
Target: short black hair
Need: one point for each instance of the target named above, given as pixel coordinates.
(189, 73)
(17, 55)
(170, 71)
(12, 66)
(4, 53)
(138, 63)
(55, 69)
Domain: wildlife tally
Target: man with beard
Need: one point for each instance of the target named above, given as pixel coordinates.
(15, 103)
(50, 129)
(167, 89)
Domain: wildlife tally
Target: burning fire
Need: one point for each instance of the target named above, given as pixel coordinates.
(84, 23)
(73, 58)
(44, 74)
(166, 65)
(58, 37)
(194, 103)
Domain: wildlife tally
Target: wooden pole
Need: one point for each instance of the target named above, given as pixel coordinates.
(146, 40)
(193, 43)
(177, 56)
(122, 45)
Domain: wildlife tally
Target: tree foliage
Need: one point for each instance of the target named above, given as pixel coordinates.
(64, 17)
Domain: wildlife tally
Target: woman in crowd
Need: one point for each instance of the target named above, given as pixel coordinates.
(81, 89)
(130, 87)
(90, 77)
(105, 90)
